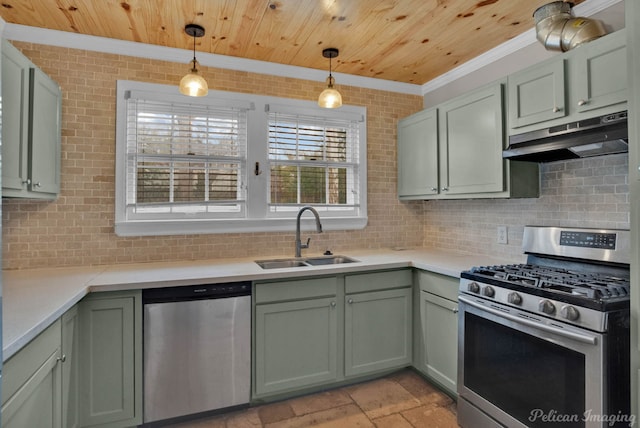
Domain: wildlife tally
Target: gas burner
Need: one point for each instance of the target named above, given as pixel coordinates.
(588, 285)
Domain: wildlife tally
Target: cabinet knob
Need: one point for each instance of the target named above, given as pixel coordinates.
(444, 189)
(27, 181)
(556, 109)
(38, 184)
(350, 301)
(434, 189)
(454, 310)
(582, 102)
(333, 304)
(62, 359)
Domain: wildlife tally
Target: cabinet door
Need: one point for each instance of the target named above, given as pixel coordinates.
(378, 331)
(15, 113)
(418, 154)
(600, 73)
(471, 143)
(45, 131)
(31, 383)
(70, 372)
(295, 344)
(537, 94)
(111, 359)
(440, 331)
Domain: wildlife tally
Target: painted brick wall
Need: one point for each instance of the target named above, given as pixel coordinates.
(592, 192)
(77, 229)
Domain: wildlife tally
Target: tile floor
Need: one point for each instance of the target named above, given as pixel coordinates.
(400, 400)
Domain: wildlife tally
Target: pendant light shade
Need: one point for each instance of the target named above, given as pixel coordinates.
(192, 84)
(330, 97)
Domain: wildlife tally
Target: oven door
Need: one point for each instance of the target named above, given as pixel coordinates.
(523, 370)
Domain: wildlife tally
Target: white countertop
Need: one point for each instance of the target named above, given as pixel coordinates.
(33, 299)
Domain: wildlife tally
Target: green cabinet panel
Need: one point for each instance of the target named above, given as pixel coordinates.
(600, 73)
(471, 139)
(537, 94)
(378, 331)
(418, 154)
(295, 344)
(70, 369)
(111, 359)
(31, 131)
(31, 390)
(437, 358)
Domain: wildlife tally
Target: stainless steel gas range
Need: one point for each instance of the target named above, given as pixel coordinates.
(546, 343)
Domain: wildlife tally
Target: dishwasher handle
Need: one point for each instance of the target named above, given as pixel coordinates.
(196, 292)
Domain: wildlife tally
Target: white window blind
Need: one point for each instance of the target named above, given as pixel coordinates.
(313, 161)
(184, 160)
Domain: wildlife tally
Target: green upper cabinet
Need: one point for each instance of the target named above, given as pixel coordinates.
(600, 73)
(471, 142)
(588, 81)
(31, 131)
(418, 154)
(537, 94)
(454, 151)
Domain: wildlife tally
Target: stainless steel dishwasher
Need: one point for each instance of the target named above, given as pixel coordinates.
(197, 349)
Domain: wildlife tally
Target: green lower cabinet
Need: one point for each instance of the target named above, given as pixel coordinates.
(378, 331)
(308, 333)
(70, 369)
(31, 383)
(110, 357)
(295, 344)
(439, 329)
(39, 383)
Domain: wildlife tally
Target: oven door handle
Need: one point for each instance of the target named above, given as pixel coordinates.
(585, 338)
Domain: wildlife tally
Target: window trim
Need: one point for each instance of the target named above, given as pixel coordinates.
(257, 219)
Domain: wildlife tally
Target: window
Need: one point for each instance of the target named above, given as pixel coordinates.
(194, 165)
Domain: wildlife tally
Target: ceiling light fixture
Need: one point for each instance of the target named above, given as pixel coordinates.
(192, 84)
(330, 97)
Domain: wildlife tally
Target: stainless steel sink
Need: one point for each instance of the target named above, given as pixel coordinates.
(329, 260)
(280, 264)
(302, 262)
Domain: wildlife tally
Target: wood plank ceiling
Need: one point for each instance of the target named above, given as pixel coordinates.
(410, 41)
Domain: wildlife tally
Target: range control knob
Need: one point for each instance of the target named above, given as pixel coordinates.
(473, 287)
(547, 307)
(514, 298)
(488, 291)
(570, 313)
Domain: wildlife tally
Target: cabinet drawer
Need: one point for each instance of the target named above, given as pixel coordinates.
(378, 281)
(440, 285)
(23, 365)
(295, 289)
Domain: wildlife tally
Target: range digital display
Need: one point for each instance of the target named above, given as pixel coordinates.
(605, 241)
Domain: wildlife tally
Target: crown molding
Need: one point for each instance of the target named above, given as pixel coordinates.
(587, 8)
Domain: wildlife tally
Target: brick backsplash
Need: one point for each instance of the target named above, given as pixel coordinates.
(77, 228)
(591, 192)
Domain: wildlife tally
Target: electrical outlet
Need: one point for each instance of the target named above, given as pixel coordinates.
(502, 234)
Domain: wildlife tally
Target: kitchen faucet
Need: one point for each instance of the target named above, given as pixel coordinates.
(299, 244)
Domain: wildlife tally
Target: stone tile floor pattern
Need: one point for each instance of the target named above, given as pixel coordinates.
(400, 400)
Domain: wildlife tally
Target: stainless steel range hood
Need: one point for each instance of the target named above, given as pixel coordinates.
(590, 137)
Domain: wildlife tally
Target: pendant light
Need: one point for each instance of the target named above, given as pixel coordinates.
(330, 97)
(192, 84)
